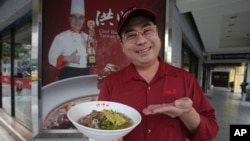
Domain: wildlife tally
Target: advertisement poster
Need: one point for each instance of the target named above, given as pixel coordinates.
(101, 48)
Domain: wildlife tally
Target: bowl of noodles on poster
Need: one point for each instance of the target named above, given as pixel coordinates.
(60, 96)
(104, 120)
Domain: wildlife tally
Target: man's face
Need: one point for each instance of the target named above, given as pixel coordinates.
(76, 22)
(140, 41)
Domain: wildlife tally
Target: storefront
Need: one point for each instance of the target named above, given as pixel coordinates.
(16, 64)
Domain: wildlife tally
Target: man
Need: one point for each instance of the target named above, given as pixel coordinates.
(171, 102)
(68, 50)
(243, 86)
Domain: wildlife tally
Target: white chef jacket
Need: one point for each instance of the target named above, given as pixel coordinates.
(65, 44)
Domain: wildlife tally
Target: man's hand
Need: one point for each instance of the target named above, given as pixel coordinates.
(72, 58)
(181, 108)
(175, 109)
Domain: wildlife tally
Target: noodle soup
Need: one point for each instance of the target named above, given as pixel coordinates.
(106, 120)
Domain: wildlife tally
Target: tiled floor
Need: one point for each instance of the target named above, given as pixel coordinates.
(229, 110)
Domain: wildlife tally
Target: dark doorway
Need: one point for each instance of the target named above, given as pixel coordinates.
(220, 79)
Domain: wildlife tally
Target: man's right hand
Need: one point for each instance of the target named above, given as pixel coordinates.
(73, 58)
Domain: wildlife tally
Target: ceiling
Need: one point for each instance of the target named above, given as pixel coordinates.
(223, 25)
(11, 10)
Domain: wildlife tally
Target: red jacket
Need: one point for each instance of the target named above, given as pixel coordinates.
(169, 83)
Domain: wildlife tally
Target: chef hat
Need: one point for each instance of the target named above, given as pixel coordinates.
(77, 7)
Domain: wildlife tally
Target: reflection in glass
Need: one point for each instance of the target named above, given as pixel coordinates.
(6, 72)
(22, 73)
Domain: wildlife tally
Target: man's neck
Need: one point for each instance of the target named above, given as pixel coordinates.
(148, 72)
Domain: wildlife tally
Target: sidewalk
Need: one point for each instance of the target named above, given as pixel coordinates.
(229, 110)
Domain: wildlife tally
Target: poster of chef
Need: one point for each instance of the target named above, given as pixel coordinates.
(79, 43)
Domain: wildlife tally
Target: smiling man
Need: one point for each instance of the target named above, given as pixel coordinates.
(68, 49)
(171, 102)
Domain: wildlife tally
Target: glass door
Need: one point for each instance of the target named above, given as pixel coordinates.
(6, 72)
(189, 60)
(16, 68)
(22, 73)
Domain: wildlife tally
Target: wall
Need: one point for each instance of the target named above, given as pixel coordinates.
(248, 72)
(183, 30)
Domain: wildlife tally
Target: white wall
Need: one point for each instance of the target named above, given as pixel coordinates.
(182, 31)
(176, 44)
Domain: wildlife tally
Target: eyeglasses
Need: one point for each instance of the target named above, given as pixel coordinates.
(146, 32)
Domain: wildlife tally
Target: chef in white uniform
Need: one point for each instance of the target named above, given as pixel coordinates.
(68, 49)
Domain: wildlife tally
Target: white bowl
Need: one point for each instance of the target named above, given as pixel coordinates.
(83, 109)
